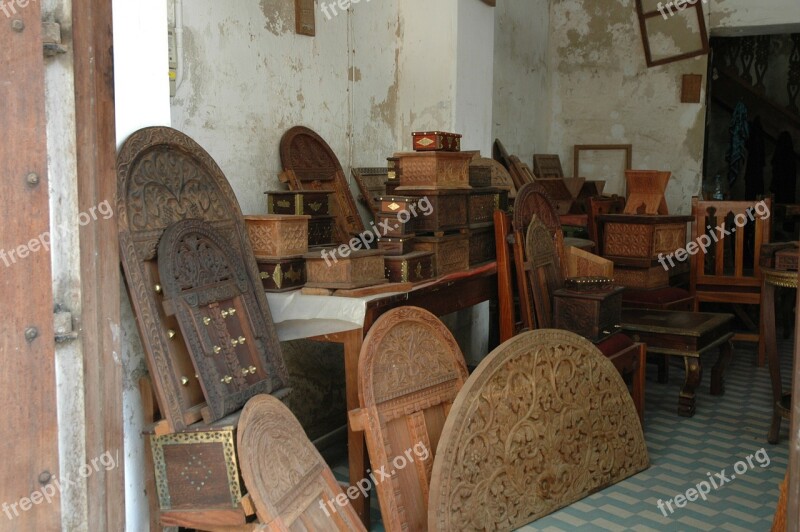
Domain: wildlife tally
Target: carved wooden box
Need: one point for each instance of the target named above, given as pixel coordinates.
(389, 225)
(481, 205)
(282, 275)
(786, 259)
(641, 278)
(480, 175)
(396, 246)
(396, 204)
(393, 166)
(434, 170)
(313, 203)
(637, 240)
(321, 231)
(410, 268)
(447, 211)
(481, 245)
(436, 141)
(329, 269)
(197, 469)
(594, 314)
(278, 235)
(451, 252)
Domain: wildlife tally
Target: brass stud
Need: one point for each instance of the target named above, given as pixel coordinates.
(157, 288)
(253, 370)
(224, 313)
(231, 311)
(217, 350)
(227, 379)
(206, 320)
(242, 340)
(245, 372)
(171, 334)
(234, 342)
(185, 381)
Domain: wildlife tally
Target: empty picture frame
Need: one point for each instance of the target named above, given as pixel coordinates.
(612, 174)
(671, 34)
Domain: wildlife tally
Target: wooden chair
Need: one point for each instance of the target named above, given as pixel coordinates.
(730, 272)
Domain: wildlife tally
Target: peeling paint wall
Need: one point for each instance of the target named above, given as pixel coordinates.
(736, 17)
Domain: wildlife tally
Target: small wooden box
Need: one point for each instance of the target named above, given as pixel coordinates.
(482, 203)
(451, 252)
(389, 225)
(786, 260)
(277, 236)
(197, 469)
(329, 269)
(396, 204)
(446, 210)
(396, 246)
(313, 203)
(594, 314)
(393, 167)
(321, 231)
(481, 245)
(435, 170)
(480, 175)
(641, 278)
(282, 275)
(436, 141)
(638, 240)
(411, 268)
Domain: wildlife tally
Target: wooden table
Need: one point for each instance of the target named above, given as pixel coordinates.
(781, 402)
(452, 293)
(688, 335)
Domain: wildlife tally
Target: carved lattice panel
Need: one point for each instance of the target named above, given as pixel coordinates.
(207, 288)
(543, 422)
(410, 371)
(165, 177)
(291, 486)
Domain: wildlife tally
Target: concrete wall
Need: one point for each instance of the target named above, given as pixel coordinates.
(745, 17)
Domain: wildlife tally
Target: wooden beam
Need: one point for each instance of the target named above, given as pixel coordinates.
(99, 258)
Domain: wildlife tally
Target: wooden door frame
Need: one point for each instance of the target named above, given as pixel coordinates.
(99, 258)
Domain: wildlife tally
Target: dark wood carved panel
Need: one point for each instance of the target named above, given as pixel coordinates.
(165, 177)
(310, 164)
(207, 288)
(533, 199)
(409, 373)
(291, 486)
(543, 422)
(544, 273)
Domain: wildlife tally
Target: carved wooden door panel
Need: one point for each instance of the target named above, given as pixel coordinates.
(312, 165)
(543, 422)
(544, 272)
(207, 288)
(410, 371)
(165, 177)
(289, 482)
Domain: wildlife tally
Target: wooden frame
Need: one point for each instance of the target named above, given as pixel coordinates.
(305, 17)
(576, 155)
(648, 12)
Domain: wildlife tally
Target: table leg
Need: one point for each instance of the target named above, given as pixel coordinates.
(687, 399)
(718, 371)
(638, 382)
(771, 349)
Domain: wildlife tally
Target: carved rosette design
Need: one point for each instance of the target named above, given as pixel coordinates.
(628, 240)
(533, 199)
(543, 422)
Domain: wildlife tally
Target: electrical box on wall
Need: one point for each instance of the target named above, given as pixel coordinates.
(173, 62)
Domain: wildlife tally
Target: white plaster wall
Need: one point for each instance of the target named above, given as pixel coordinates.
(521, 102)
(735, 17)
(141, 88)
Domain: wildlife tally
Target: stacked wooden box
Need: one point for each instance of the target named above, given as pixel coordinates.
(279, 242)
(316, 204)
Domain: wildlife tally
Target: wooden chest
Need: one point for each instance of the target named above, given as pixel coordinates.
(786, 260)
(435, 170)
(321, 231)
(480, 175)
(278, 235)
(594, 314)
(329, 269)
(436, 141)
(451, 252)
(396, 204)
(482, 203)
(197, 469)
(481, 245)
(446, 210)
(396, 246)
(642, 278)
(389, 225)
(638, 240)
(313, 203)
(282, 275)
(413, 267)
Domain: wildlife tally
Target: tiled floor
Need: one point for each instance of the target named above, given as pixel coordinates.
(683, 451)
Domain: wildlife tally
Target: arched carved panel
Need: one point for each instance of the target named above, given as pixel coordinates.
(533, 199)
(544, 421)
(545, 271)
(410, 371)
(164, 177)
(291, 486)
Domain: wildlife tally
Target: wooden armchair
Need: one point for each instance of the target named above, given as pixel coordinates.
(728, 270)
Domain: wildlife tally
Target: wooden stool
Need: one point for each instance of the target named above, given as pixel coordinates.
(688, 335)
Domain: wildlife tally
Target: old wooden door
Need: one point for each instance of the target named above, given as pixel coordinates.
(29, 444)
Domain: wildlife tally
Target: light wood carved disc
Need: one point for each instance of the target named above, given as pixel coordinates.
(410, 371)
(543, 422)
(285, 475)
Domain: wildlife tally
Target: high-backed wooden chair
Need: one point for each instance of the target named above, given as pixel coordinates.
(729, 271)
